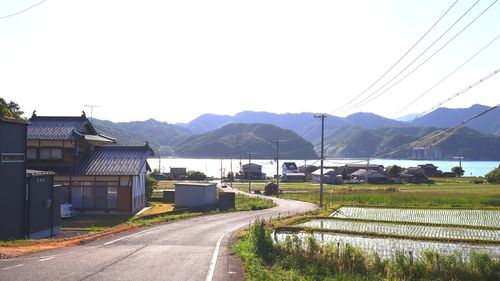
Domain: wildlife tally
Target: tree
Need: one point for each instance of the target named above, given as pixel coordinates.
(345, 176)
(230, 176)
(394, 171)
(493, 176)
(10, 110)
(151, 184)
(196, 176)
(458, 171)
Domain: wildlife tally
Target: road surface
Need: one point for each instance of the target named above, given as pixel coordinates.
(191, 249)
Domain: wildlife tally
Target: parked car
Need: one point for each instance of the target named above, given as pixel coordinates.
(67, 210)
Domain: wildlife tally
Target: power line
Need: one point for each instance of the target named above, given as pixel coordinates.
(22, 11)
(400, 59)
(464, 90)
(429, 138)
(447, 76)
(373, 96)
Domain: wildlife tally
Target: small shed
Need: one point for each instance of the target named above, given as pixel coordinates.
(43, 205)
(195, 194)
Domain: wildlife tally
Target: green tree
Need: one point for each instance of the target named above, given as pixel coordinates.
(458, 171)
(151, 184)
(493, 176)
(196, 176)
(394, 171)
(230, 176)
(10, 110)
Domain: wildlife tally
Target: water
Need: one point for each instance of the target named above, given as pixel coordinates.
(211, 167)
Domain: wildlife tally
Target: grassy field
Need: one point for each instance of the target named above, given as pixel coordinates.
(445, 193)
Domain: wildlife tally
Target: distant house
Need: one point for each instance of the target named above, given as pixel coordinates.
(308, 170)
(178, 173)
(94, 176)
(369, 176)
(351, 168)
(414, 175)
(252, 171)
(329, 176)
(290, 172)
(431, 171)
(427, 153)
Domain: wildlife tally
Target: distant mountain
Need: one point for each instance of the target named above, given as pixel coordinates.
(160, 135)
(303, 124)
(356, 142)
(448, 117)
(408, 117)
(372, 121)
(235, 140)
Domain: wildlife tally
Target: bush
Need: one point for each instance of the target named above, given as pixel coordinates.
(151, 184)
(493, 176)
(196, 176)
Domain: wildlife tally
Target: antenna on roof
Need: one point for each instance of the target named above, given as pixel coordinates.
(91, 109)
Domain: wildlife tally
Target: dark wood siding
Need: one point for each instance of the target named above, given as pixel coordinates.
(125, 198)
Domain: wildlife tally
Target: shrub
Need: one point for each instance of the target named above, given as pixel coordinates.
(493, 176)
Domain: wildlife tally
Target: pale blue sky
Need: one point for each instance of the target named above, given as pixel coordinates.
(175, 60)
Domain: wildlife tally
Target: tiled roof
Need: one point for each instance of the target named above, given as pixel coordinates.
(57, 128)
(115, 161)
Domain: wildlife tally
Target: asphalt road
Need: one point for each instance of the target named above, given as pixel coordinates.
(191, 249)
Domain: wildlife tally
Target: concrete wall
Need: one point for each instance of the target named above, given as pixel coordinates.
(195, 194)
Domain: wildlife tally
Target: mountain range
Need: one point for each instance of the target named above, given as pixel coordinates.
(358, 135)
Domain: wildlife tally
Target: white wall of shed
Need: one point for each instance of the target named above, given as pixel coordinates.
(139, 190)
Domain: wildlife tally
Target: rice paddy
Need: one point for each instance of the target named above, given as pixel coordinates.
(412, 231)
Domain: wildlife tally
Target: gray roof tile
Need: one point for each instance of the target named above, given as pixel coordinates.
(115, 160)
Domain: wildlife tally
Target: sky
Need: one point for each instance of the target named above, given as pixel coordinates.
(175, 60)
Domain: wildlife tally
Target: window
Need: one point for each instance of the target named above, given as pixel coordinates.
(12, 157)
(31, 153)
(51, 153)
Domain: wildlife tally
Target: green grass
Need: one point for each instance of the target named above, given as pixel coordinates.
(17, 243)
(294, 260)
(247, 203)
(445, 193)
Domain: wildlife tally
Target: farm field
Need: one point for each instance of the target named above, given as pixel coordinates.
(405, 230)
(387, 247)
(449, 193)
(389, 230)
(482, 218)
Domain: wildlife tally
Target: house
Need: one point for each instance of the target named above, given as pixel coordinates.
(369, 176)
(252, 171)
(414, 175)
(351, 168)
(94, 176)
(329, 176)
(29, 201)
(195, 194)
(290, 172)
(431, 171)
(178, 173)
(308, 170)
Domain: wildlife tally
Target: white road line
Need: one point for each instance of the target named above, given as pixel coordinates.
(131, 235)
(46, 259)
(14, 266)
(213, 262)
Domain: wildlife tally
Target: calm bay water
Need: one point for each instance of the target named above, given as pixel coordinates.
(211, 167)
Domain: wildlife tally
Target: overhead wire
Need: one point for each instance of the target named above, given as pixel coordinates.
(429, 138)
(446, 77)
(401, 58)
(22, 11)
(374, 95)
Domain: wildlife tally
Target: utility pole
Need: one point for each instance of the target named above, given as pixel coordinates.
(232, 175)
(221, 173)
(250, 172)
(277, 164)
(322, 117)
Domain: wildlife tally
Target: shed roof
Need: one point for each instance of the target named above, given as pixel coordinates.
(290, 165)
(115, 161)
